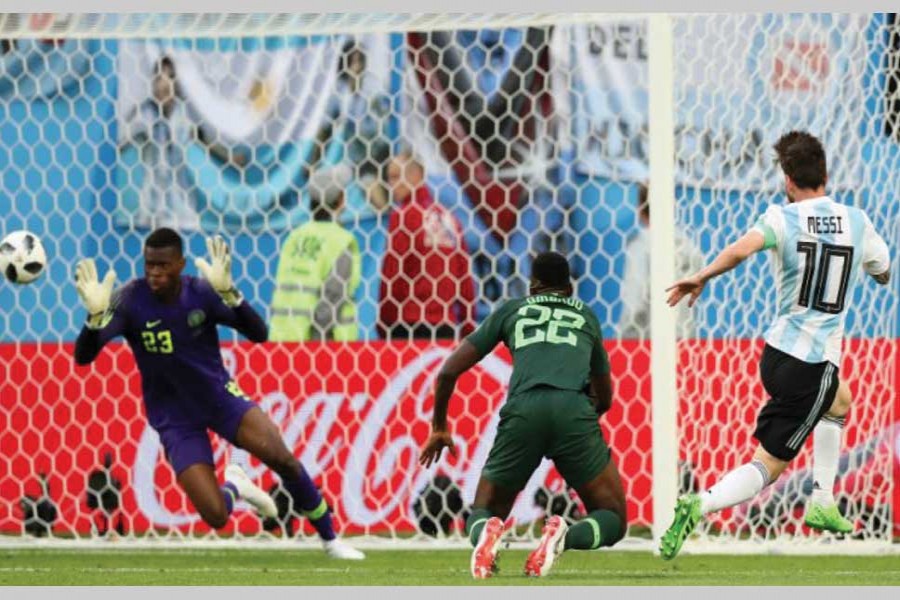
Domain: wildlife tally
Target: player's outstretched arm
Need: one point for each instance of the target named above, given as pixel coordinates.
(461, 360)
(752, 242)
(102, 324)
(234, 312)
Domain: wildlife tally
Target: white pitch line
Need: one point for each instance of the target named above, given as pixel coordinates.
(599, 574)
(173, 570)
(622, 573)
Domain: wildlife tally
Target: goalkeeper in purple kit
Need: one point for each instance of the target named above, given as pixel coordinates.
(169, 320)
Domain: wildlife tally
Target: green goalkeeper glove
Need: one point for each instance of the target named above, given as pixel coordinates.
(218, 274)
(95, 295)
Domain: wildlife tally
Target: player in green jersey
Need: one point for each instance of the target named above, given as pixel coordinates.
(560, 384)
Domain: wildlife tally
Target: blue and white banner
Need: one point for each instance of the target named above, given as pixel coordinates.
(242, 92)
(740, 82)
(233, 146)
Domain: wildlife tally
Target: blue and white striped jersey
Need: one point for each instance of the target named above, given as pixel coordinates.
(819, 247)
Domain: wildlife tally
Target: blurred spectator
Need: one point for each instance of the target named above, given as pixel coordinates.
(160, 129)
(363, 113)
(426, 282)
(319, 270)
(635, 320)
(359, 113)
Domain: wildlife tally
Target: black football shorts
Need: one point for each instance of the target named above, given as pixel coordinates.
(800, 393)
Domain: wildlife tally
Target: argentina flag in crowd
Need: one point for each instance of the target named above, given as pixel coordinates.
(224, 132)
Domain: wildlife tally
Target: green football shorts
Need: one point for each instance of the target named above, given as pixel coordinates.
(546, 422)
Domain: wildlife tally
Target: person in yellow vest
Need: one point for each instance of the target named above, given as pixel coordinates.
(319, 270)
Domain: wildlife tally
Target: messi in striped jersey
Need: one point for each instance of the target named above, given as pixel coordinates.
(819, 249)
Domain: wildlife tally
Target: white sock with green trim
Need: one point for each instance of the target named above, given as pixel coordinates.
(737, 486)
(826, 455)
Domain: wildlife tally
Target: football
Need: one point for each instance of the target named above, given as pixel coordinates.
(22, 257)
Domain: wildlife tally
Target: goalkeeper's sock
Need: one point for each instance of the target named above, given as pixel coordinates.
(826, 455)
(230, 495)
(307, 498)
(737, 486)
(599, 528)
(475, 523)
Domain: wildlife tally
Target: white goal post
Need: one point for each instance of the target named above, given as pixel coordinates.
(535, 131)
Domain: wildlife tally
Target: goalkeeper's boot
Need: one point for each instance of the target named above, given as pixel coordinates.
(827, 518)
(687, 515)
(484, 555)
(550, 548)
(252, 493)
(341, 550)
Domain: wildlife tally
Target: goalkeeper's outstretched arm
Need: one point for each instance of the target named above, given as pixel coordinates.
(245, 320)
(234, 311)
(103, 322)
(91, 341)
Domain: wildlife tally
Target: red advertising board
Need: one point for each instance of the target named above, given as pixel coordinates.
(357, 414)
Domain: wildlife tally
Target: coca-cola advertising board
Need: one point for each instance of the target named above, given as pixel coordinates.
(357, 414)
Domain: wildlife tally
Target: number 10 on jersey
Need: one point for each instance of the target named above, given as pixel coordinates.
(829, 255)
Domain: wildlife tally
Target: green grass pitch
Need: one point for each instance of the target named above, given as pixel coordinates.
(428, 567)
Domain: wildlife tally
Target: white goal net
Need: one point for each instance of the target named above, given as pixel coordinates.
(449, 149)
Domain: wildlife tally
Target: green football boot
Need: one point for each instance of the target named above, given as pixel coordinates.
(827, 518)
(687, 515)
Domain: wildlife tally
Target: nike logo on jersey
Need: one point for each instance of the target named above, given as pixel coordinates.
(152, 324)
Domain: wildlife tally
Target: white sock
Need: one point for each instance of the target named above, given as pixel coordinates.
(737, 486)
(826, 455)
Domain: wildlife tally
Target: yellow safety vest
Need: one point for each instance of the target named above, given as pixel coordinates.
(307, 258)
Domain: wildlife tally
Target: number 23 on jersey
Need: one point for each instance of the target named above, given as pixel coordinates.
(158, 342)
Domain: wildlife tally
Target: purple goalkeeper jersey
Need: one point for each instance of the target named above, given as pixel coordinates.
(176, 347)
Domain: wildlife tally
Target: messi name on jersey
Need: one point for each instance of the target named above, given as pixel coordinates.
(820, 225)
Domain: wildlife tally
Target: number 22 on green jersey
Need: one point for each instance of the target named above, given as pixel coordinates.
(538, 323)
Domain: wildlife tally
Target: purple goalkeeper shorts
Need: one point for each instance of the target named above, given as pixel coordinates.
(187, 445)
